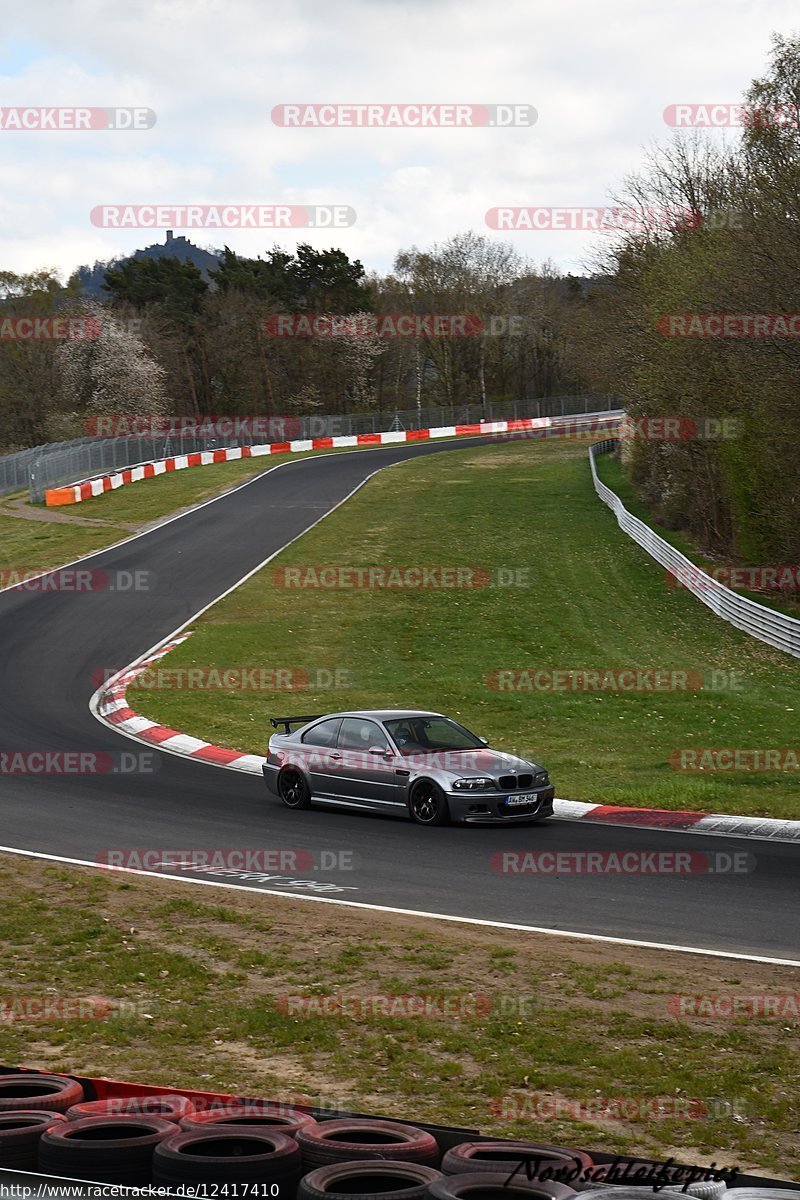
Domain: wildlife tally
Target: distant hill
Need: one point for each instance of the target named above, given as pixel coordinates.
(92, 278)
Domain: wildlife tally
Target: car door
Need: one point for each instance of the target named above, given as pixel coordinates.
(320, 758)
(369, 768)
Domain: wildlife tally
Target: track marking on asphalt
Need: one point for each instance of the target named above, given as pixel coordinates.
(411, 912)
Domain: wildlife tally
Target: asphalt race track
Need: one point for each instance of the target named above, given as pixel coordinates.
(52, 644)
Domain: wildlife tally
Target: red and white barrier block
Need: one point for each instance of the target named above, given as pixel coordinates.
(74, 493)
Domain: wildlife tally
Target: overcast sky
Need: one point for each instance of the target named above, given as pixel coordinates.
(598, 72)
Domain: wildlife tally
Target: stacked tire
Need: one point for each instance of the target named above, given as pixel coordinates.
(228, 1155)
(103, 1149)
(353, 1139)
(248, 1116)
(52, 1093)
(369, 1180)
(519, 1160)
(496, 1185)
(20, 1131)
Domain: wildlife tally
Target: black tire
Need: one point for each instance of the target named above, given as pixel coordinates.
(384, 1180)
(237, 1118)
(103, 1149)
(169, 1108)
(228, 1156)
(293, 788)
(19, 1136)
(354, 1139)
(494, 1185)
(560, 1164)
(55, 1093)
(427, 804)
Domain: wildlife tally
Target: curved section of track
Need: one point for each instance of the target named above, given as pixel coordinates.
(53, 644)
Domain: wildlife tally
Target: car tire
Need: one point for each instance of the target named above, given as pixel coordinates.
(427, 804)
(249, 1117)
(293, 788)
(489, 1158)
(388, 1180)
(494, 1185)
(229, 1156)
(56, 1093)
(103, 1149)
(19, 1136)
(352, 1139)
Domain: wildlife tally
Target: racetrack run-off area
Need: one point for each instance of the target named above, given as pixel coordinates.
(54, 644)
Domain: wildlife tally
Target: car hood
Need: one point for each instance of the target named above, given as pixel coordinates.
(475, 762)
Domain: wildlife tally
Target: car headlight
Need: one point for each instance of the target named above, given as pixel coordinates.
(541, 779)
(473, 785)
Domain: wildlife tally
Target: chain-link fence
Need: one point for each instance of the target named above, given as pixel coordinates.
(68, 462)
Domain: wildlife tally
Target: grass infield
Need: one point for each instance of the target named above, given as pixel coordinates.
(523, 1033)
(579, 596)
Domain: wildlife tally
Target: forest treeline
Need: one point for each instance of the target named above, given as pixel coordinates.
(687, 313)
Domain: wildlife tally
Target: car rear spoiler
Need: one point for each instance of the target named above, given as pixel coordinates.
(287, 721)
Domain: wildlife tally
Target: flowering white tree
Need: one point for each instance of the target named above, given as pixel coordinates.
(112, 372)
(360, 351)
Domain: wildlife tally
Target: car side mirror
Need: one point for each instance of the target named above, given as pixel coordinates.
(484, 741)
(380, 750)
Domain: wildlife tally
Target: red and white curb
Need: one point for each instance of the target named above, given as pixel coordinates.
(112, 707)
(85, 489)
(725, 824)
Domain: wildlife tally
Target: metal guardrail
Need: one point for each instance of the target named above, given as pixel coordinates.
(60, 463)
(775, 628)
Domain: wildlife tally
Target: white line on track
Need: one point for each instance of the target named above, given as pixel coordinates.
(412, 912)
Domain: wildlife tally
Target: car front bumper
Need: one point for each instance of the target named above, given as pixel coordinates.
(487, 808)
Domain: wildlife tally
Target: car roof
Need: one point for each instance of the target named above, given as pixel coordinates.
(382, 714)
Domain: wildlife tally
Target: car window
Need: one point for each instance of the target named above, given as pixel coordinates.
(359, 734)
(323, 734)
(415, 735)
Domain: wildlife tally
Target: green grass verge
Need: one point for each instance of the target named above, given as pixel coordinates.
(596, 601)
(568, 1020)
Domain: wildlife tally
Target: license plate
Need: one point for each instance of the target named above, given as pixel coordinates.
(522, 798)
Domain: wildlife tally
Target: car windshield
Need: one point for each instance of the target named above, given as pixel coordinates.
(418, 735)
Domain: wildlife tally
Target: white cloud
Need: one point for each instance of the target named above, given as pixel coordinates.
(599, 75)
